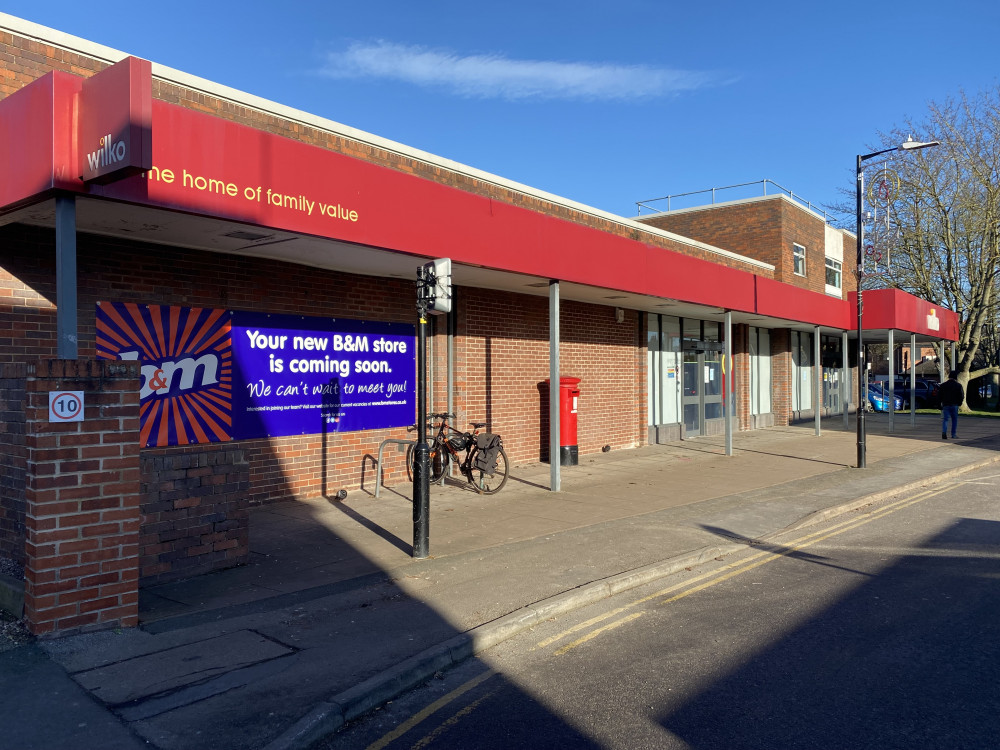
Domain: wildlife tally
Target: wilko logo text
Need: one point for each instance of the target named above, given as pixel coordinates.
(108, 154)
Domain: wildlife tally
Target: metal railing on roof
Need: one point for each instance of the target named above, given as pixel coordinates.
(645, 204)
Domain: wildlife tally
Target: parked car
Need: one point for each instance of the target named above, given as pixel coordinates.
(878, 398)
(926, 394)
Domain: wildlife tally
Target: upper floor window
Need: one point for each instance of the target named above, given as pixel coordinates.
(799, 260)
(833, 268)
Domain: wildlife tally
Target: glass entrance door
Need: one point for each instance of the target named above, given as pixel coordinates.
(694, 367)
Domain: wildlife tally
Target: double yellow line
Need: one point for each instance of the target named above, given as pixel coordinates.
(711, 578)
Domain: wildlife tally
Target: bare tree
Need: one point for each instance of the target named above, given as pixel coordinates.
(944, 224)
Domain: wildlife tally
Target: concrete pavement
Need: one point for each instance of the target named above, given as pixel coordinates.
(333, 617)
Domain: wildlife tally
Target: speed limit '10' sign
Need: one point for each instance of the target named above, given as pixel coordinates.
(65, 406)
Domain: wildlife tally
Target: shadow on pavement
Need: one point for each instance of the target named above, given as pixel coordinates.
(910, 659)
(776, 549)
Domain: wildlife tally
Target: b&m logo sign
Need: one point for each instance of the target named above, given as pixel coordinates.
(216, 375)
(186, 366)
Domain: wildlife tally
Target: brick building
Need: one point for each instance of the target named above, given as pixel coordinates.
(207, 301)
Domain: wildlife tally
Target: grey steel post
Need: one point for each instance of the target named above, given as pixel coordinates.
(892, 382)
(953, 365)
(67, 332)
(554, 385)
(845, 390)
(942, 375)
(817, 381)
(729, 394)
(913, 380)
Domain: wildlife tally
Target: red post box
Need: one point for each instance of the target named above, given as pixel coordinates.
(569, 397)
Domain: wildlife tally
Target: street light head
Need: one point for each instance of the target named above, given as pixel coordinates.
(911, 145)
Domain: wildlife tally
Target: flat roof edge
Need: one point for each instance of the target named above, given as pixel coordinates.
(740, 201)
(47, 35)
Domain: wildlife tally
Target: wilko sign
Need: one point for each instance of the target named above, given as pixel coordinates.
(108, 154)
(114, 135)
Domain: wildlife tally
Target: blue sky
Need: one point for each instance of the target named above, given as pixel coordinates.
(603, 103)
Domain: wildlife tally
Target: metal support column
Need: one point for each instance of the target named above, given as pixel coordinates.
(892, 381)
(845, 375)
(67, 334)
(729, 393)
(954, 366)
(554, 479)
(913, 380)
(817, 380)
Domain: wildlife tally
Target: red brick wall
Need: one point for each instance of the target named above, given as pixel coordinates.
(800, 226)
(121, 271)
(195, 511)
(751, 229)
(501, 350)
(82, 499)
(505, 363)
(849, 279)
(765, 230)
(13, 462)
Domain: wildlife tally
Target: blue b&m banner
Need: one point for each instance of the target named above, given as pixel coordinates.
(216, 375)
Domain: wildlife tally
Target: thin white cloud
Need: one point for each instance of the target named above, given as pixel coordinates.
(495, 76)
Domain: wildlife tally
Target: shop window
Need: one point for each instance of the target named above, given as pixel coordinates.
(663, 368)
(802, 371)
(799, 260)
(760, 371)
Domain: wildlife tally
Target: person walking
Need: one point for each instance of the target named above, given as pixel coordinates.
(952, 397)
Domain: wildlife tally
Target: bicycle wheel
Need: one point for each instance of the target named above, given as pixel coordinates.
(489, 484)
(438, 461)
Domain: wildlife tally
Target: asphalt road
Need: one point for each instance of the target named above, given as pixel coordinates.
(878, 630)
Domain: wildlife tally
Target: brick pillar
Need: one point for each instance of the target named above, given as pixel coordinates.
(13, 462)
(781, 376)
(741, 373)
(82, 499)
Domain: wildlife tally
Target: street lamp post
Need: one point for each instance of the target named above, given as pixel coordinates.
(909, 145)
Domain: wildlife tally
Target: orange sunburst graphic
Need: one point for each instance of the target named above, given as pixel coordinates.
(187, 373)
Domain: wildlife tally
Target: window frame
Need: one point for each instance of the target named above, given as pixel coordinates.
(838, 268)
(798, 259)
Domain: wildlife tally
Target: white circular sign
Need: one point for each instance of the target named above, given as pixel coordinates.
(65, 406)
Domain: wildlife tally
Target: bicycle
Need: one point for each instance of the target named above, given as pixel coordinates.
(485, 464)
